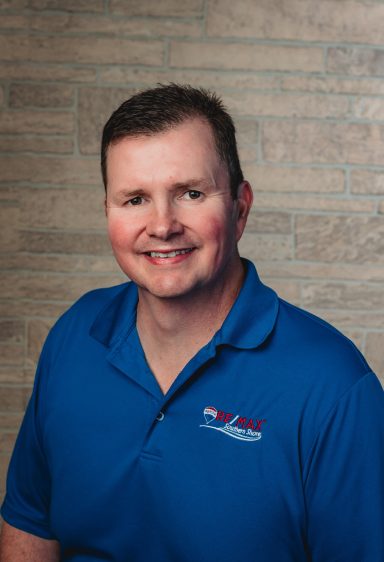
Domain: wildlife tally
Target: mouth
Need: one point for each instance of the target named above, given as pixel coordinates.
(171, 254)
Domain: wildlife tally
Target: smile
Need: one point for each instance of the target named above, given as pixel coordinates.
(172, 254)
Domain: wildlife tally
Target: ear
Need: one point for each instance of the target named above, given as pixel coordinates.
(105, 206)
(244, 203)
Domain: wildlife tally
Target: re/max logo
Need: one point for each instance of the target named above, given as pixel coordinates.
(239, 421)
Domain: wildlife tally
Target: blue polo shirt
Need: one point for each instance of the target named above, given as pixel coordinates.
(269, 446)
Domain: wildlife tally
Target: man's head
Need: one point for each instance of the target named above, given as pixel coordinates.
(173, 220)
(159, 109)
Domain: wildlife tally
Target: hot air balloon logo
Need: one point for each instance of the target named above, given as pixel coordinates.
(210, 414)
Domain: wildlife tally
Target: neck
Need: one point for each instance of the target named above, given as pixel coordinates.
(196, 315)
(172, 331)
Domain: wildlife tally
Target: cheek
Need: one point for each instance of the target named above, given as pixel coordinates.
(119, 233)
(214, 230)
(219, 230)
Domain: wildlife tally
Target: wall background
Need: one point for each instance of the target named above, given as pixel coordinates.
(305, 82)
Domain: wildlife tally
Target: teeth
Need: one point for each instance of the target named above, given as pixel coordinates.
(169, 254)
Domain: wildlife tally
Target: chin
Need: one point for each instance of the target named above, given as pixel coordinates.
(166, 289)
(166, 292)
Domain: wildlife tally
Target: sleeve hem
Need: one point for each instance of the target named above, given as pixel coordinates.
(24, 524)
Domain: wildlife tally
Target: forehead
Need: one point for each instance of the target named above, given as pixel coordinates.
(195, 132)
(185, 149)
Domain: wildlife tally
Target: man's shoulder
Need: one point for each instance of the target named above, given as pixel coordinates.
(81, 315)
(318, 346)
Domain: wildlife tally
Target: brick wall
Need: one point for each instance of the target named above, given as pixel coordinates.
(305, 82)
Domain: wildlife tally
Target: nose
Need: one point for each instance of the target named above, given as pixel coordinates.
(163, 222)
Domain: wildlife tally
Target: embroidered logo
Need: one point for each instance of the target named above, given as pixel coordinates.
(236, 426)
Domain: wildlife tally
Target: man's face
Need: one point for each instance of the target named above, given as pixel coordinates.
(172, 223)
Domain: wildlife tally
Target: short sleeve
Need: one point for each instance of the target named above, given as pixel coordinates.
(344, 479)
(27, 500)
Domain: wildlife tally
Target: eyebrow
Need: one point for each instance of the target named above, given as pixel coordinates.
(195, 182)
(189, 184)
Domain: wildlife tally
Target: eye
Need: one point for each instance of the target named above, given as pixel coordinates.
(135, 200)
(192, 194)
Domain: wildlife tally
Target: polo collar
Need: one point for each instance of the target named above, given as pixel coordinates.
(248, 324)
(253, 314)
(117, 318)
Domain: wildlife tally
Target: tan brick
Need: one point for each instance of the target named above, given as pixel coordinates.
(77, 242)
(10, 421)
(356, 296)
(13, 398)
(317, 180)
(306, 202)
(95, 107)
(78, 23)
(369, 108)
(46, 73)
(11, 354)
(11, 331)
(248, 153)
(302, 270)
(286, 289)
(9, 197)
(38, 308)
(34, 95)
(272, 223)
(36, 143)
(355, 61)
(9, 234)
(340, 239)
(37, 332)
(92, 50)
(332, 85)
(286, 105)
(1, 96)
(239, 56)
(247, 131)
(58, 287)
(12, 375)
(36, 122)
(374, 346)
(296, 20)
(205, 78)
(61, 263)
(93, 6)
(4, 462)
(13, 22)
(317, 142)
(81, 209)
(152, 8)
(13, 4)
(367, 182)
(263, 246)
(7, 441)
(352, 319)
(50, 170)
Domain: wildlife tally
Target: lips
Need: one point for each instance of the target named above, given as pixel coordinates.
(169, 254)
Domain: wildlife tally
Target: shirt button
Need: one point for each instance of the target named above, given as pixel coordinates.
(160, 416)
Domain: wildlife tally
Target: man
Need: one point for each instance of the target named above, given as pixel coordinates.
(192, 415)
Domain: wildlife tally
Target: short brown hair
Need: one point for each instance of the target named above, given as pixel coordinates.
(158, 109)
